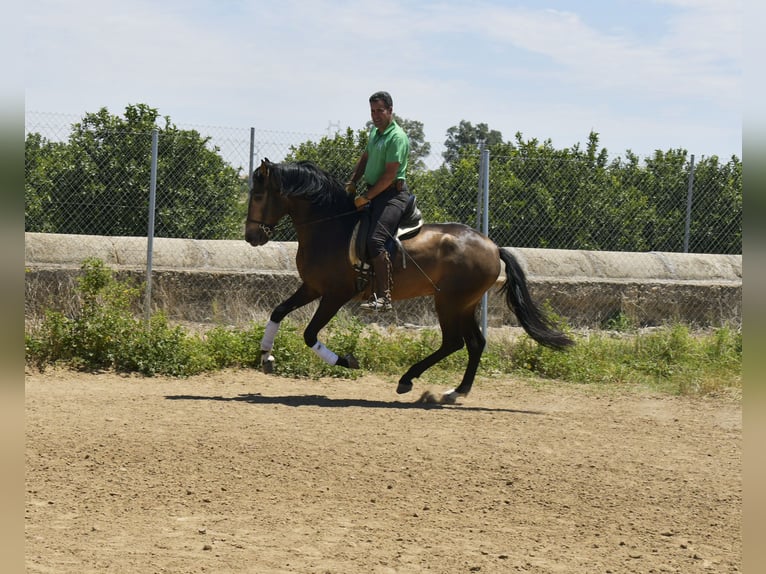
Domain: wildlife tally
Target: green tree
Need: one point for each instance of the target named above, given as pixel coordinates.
(42, 159)
(98, 181)
(336, 155)
(562, 198)
(716, 222)
(666, 184)
(631, 211)
(466, 134)
(526, 180)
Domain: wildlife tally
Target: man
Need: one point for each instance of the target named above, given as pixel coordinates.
(384, 167)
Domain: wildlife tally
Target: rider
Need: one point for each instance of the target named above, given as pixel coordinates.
(384, 166)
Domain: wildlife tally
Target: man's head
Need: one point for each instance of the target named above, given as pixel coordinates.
(381, 109)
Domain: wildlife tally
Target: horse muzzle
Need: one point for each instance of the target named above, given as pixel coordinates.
(257, 233)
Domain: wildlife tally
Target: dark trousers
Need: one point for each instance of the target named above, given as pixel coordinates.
(386, 212)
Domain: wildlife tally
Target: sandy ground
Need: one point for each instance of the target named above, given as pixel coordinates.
(240, 472)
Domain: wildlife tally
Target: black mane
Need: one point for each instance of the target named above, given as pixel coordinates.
(306, 180)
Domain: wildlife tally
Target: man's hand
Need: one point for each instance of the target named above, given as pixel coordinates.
(350, 188)
(360, 202)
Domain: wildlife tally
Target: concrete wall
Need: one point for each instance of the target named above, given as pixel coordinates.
(232, 282)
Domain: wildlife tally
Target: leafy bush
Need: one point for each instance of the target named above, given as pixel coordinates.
(105, 334)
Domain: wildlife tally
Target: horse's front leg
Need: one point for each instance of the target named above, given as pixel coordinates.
(328, 307)
(302, 296)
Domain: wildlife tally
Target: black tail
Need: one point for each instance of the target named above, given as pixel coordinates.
(531, 318)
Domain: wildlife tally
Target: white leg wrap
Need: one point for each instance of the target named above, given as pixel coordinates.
(324, 353)
(269, 333)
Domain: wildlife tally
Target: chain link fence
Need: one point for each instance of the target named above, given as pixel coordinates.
(89, 177)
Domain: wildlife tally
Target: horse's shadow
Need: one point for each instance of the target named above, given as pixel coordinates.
(327, 402)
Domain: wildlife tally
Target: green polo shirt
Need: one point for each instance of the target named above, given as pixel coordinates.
(388, 147)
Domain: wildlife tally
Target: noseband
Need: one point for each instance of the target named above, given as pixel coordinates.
(267, 229)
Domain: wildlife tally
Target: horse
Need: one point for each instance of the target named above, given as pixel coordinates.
(452, 262)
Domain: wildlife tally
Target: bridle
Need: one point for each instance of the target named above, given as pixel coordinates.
(267, 229)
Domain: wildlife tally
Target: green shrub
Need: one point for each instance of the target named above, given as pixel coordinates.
(106, 334)
(160, 349)
(233, 348)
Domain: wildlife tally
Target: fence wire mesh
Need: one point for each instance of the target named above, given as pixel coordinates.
(90, 176)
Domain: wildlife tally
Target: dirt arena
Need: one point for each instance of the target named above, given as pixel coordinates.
(240, 472)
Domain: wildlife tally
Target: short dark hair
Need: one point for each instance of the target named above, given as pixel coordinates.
(385, 97)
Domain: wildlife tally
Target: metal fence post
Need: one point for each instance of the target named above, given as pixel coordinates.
(687, 227)
(150, 229)
(250, 165)
(482, 217)
(480, 191)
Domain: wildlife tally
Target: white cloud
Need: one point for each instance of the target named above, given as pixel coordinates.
(682, 63)
(297, 65)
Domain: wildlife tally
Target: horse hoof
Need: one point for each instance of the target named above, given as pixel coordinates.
(403, 388)
(450, 397)
(350, 362)
(267, 365)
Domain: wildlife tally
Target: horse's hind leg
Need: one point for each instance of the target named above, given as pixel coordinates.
(451, 342)
(475, 342)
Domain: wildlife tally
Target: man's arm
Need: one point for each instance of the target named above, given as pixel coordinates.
(358, 171)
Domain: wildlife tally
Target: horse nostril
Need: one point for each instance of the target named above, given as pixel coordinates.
(256, 237)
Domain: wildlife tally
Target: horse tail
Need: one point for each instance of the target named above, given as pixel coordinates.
(518, 299)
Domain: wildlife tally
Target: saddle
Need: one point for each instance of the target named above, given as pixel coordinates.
(409, 226)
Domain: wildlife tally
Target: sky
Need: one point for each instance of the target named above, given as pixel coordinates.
(645, 75)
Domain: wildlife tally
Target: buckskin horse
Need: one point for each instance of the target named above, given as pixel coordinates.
(449, 261)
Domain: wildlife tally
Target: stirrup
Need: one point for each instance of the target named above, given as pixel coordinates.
(376, 303)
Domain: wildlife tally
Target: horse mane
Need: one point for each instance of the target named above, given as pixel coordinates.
(306, 180)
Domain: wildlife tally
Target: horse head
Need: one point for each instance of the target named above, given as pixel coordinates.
(266, 204)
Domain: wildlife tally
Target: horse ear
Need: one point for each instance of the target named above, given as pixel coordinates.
(264, 169)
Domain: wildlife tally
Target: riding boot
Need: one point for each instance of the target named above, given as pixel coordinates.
(381, 298)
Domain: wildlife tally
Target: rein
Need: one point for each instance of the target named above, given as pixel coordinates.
(269, 229)
(330, 218)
